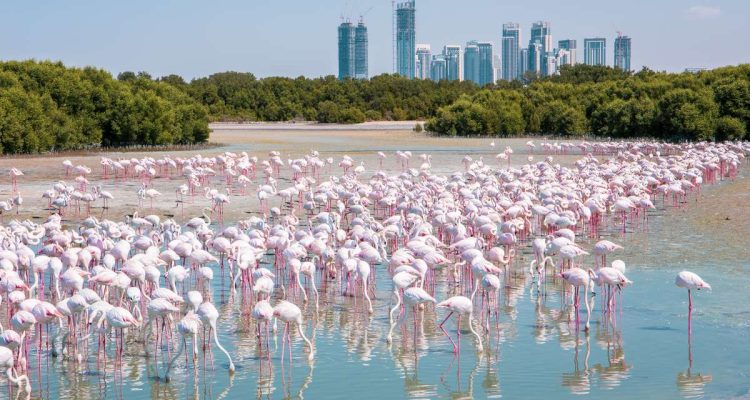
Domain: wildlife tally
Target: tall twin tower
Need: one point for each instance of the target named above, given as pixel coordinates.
(353, 50)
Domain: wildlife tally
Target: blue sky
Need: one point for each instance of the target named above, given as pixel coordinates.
(298, 37)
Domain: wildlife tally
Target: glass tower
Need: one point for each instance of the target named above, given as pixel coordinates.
(437, 68)
(595, 51)
(486, 65)
(570, 47)
(622, 53)
(346, 50)
(510, 51)
(541, 34)
(452, 54)
(471, 62)
(360, 51)
(424, 58)
(406, 39)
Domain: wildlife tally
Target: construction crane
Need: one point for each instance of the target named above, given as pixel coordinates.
(362, 15)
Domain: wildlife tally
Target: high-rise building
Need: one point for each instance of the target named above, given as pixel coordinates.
(536, 58)
(523, 62)
(595, 51)
(452, 54)
(424, 58)
(622, 53)
(511, 46)
(346, 50)
(541, 33)
(486, 64)
(471, 62)
(550, 63)
(571, 52)
(561, 57)
(437, 68)
(406, 39)
(360, 51)
(497, 64)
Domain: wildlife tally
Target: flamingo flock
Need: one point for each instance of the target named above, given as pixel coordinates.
(151, 277)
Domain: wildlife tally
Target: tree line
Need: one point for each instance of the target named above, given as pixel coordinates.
(45, 106)
(238, 96)
(607, 102)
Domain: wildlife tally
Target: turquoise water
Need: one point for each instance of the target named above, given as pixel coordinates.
(534, 351)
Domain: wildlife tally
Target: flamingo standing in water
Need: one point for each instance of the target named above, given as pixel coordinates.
(7, 362)
(460, 305)
(188, 327)
(288, 313)
(14, 174)
(209, 315)
(579, 278)
(689, 280)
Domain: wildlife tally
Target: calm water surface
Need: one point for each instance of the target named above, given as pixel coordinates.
(535, 351)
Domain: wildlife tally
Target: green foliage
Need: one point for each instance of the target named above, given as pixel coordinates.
(241, 97)
(45, 106)
(730, 128)
(607, 102)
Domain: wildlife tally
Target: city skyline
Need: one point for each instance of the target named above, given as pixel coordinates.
(295, 38)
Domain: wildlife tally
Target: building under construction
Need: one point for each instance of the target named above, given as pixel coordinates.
(353, 48)
(406, 39)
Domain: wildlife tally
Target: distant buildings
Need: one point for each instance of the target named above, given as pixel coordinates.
(523, 63)
(424, 58)
(570, 57)
(346, 50)
(595, 51)
(471, 62)
(541, 35)
(622, 53)
(511, 41)
(406, 39)
(438, 68)
(360, 51)
(486, 64)
(452, 55)
(479, 63)
(353, 51)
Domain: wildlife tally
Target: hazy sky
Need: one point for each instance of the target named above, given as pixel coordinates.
(298, 37)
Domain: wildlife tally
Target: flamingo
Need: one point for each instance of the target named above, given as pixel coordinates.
(289, 313)
(578, 278)
(209, 315)
(690, 280)
(460, 305)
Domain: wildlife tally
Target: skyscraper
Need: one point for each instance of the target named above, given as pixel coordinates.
(541, 33)
(510, 48)
(437, 68)
(523, 62)
(595, 51)
(622, 53)
(452, 54)
(486, 65)
(536, 58)
(360, 51)
(424, 58)
(346, 50)
(471, 62)
(571, 55)
(406, 39)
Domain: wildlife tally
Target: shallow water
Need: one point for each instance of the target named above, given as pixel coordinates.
(537, 352)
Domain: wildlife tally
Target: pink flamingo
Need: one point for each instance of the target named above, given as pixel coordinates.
(14, 174)
(689, 280)
(460, 305)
